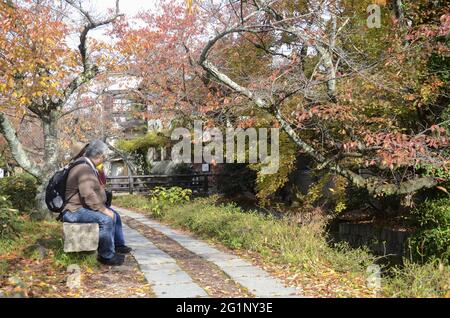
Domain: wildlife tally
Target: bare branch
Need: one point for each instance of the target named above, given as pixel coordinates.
(89, 71)
(209, 67)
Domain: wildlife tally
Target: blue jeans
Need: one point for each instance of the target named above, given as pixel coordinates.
(110, 231)
(119, 239)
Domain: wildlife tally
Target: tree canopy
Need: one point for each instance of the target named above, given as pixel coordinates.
(369, 104)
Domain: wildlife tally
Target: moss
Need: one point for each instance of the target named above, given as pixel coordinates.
(151, 139)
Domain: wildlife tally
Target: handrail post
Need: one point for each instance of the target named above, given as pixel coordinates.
(205, 184)
(130, 180)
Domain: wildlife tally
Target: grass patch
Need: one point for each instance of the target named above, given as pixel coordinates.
(284, 243)
(33, 263)
(419, 280)
(280, 241)
(36, 237)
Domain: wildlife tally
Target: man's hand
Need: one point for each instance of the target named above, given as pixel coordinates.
(108, 212)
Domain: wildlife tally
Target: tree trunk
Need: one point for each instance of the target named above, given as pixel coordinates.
(42, 213)
(331, 70)
(51, 151)
(399, 11)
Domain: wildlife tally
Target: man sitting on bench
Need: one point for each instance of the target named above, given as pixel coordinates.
(86, 203)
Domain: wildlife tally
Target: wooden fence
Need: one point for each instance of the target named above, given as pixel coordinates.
(198, 183)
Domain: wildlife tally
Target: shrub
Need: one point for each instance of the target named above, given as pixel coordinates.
(10, 222)
(236, 178)
(432, 239)
(21, 190)
(162, 198)
(267, 185)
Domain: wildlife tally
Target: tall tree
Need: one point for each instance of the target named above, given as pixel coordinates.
(316, 105)
(41, 72)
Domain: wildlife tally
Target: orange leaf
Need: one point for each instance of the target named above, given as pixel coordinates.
(442, 189)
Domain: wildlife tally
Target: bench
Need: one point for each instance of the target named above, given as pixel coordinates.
(80, 237)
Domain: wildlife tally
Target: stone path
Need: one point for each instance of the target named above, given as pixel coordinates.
(206, 274)
(161, 270)
(169, 280)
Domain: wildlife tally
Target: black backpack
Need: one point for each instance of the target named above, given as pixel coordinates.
(56, 188)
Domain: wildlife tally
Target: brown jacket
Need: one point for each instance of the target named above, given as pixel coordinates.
(84, 189)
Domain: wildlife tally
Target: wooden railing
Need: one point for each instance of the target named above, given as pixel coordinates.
(198, 183)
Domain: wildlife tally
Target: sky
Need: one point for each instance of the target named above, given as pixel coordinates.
(128, 7)
(100, 9)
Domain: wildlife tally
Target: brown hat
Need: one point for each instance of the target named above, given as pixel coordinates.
(77, 150)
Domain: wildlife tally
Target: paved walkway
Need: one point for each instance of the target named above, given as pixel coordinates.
(169, 280)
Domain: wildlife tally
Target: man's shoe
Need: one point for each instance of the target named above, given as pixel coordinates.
(123, 249)
(116, 260)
